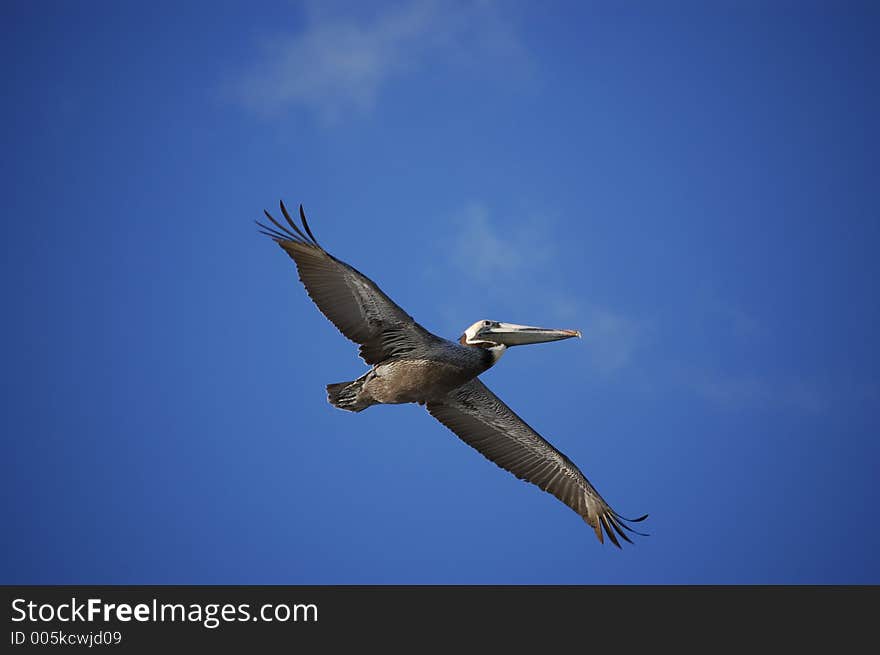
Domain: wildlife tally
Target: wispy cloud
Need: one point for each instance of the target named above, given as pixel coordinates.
(488, 254)
(345, 56)
(614, 338)
(754, 392)
(731, 316)
(775, 392)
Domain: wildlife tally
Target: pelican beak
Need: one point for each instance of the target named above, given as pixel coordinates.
(510, 334)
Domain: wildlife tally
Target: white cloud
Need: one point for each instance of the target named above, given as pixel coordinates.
(345, 56)
(488, 254)
(805, 394)
(730, 317)
(613, 339)
(738, 392)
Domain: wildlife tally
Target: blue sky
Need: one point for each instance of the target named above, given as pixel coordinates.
(696, 189)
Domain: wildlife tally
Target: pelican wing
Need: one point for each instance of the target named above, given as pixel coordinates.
(347, 297)
(484, 422)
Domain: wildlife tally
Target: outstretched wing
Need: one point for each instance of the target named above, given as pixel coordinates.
(348, 298)
(484, 422)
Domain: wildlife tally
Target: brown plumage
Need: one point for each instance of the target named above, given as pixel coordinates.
(410, 364)
(482, 420)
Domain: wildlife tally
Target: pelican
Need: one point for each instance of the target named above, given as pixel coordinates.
(409, 364)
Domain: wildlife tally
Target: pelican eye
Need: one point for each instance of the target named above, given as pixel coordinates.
(487, 323)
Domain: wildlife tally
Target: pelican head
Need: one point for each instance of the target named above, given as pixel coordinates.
(492, 334)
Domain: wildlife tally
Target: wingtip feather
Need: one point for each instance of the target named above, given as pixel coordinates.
(302, 215)
(623, 523)
(611, 535)
(307, 236)
(288, 235)
(616, 527)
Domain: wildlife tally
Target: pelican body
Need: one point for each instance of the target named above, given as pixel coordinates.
(429, 372)
(409, 364)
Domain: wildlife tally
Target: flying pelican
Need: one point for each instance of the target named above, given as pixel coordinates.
(411, 365)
